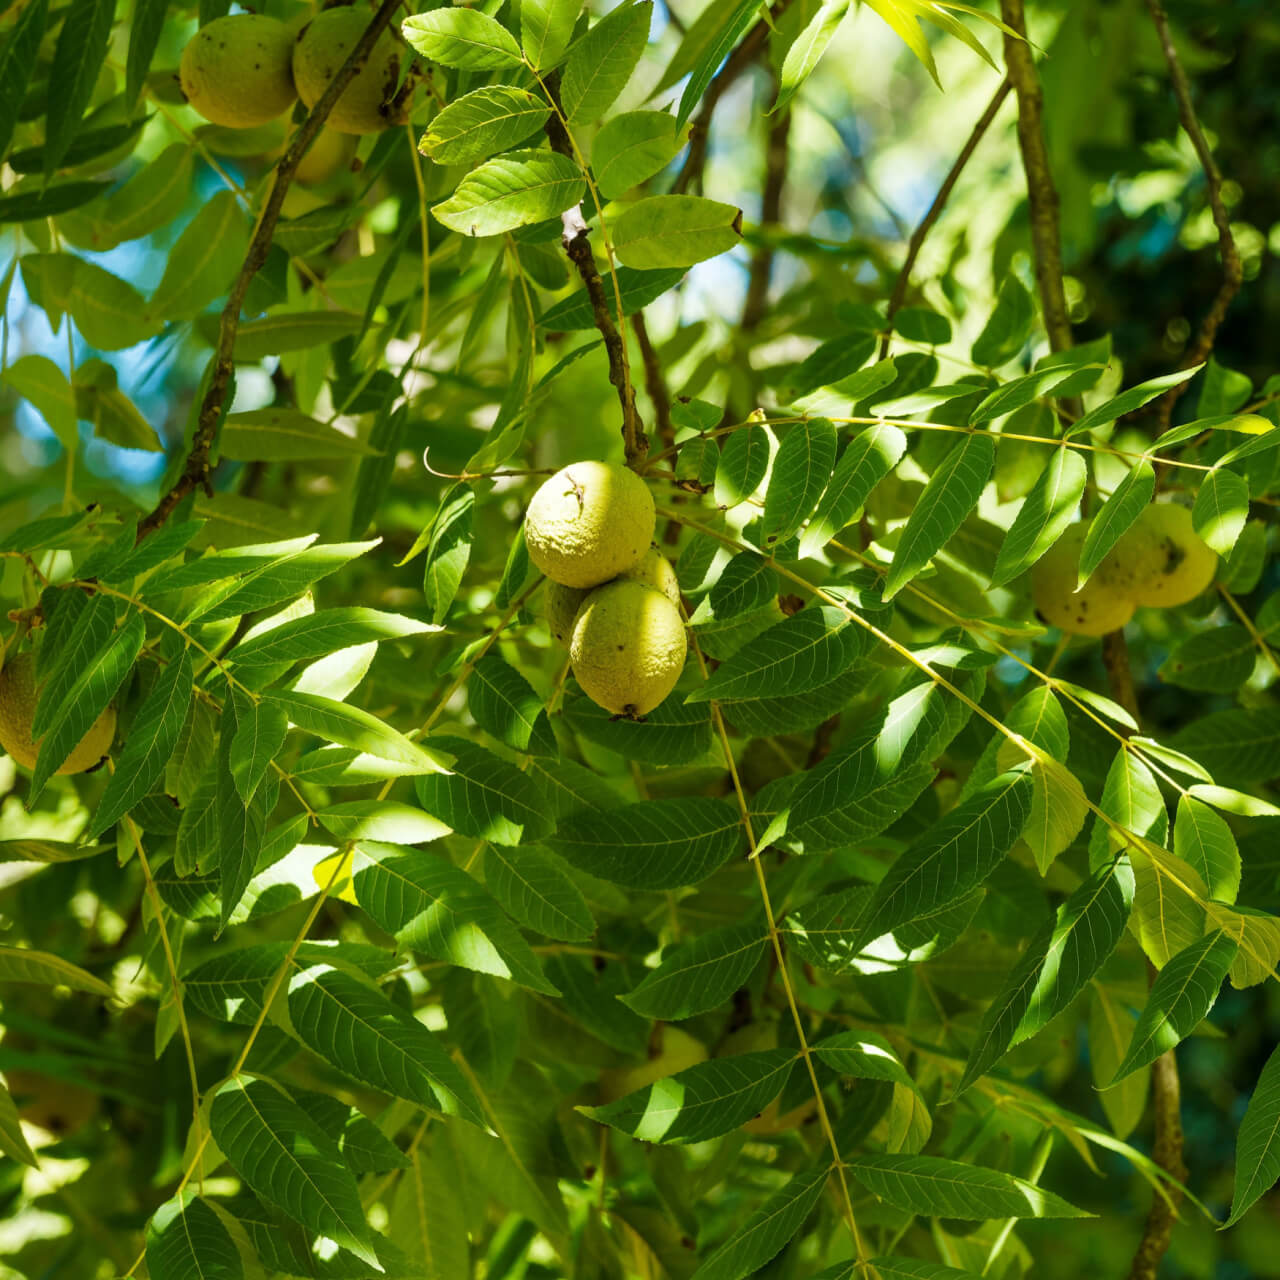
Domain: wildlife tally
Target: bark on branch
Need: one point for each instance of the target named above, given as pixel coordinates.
(1042, 195)
(195, 471)
(1232, 271)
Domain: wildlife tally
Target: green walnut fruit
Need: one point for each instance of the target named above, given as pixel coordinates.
(1166, 559)
(677, 1051)
(562, 604)
(365, 105)
(589, 523)
(237, 71)
(18, 696)
(1101, 605)
(628, 647)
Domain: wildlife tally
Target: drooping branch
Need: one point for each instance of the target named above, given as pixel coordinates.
(577, 244)
(195, 471)
(1232, 271)
(1042, 195)
(918, 237)
(655, 382)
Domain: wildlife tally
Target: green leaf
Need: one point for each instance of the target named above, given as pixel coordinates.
(745, 583)
(449, 549)
(1044, 515)
(1007, 329)
(831, 363)
(483, 795)
(485, 121)
(352, 727)
(546, 27)
(47, 851)
(951, 494)
(318, 634)
(144, 37)
(1118, 513)
(17, 61)
(13, 1142)
(704, 1101)
(797, 654)
(289, 1161)
(807, 49)
(259, 736)
(292, 331)
(639, 288)
(1257, 1147)
(511, 190)
(187, 1241)
(699, 975)
(953, 858)
(77, 60)
(1215, 661)
(1221, 509)
(1203, 839)
(675, 231)
(204, 261)
(896, 1268)
(434, 907)
(656, 844)
(1012, 396)
(601, 63)
(672, 733)
(730, 29)
(381, 820)
(801, 472)
(94, 687)
(48, 202)
(1235, 746)
(149, 745)
(505, 705)
(359, 1031)
(45, 387)
(151, 199)
(284, 435)
(768, 1230)
(464, 38)
(41, 968)
(632, 147)
(533, 887)
(744, 461)
(427, 1219)
(867, 459)
(1182, 994)
(937, 1188)
(109, 312)
(1128, 401)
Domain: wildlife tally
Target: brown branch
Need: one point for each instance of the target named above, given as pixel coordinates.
(1115, 658)
(739, 60)
(1232, 271)
(921, 232)
(655, 383)
(777, 155)
(1042, 195)
(577, 244)
(195, 471)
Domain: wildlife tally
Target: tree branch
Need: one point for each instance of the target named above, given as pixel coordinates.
(577, 244)
(1167, 1153)
(918, 237)
(777, 155)
(1042, 195)
(1232, 271)
(1115, 658)
(195, 471)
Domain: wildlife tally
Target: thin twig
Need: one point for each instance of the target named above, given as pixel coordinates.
(739, 60)
(655, 383)
(195, 472)
(577, 244)
(1232, 272)
(1042, 195)
(921, 232)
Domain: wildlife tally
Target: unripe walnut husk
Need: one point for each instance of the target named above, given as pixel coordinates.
(1101, 605)
(18, 697)
(589, 523)
(366, 105)
(1166, 559)
(628, 647)
(237, 71)
(563, 604)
